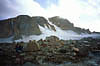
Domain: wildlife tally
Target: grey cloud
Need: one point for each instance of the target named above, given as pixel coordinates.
(95, 4)
(8, 8)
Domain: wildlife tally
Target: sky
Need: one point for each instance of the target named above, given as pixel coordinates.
(83, 13)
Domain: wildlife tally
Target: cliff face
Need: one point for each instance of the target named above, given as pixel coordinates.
(64, 24)
(22, 25)
(42, 22)
(5, 29)
(26, 25)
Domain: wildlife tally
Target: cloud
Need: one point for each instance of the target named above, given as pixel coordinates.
(46, 3)
(90, 17)
(6, 8)
(9, 8)
(67, 9)
(82, 13)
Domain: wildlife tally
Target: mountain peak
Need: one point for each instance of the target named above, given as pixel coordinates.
(26, 25)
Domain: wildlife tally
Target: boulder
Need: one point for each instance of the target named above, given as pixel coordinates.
(32, 46)
(75, 49)
(52, 38)
(83, 52)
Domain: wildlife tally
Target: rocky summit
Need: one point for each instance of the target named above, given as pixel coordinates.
(25, 25)
(65, 24)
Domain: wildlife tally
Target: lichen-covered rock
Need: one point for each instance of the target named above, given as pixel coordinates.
(74, 52)
(52, 38)
(32, 46)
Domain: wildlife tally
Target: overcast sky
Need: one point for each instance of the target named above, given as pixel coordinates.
(83, 13)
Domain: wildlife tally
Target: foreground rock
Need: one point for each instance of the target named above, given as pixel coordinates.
(51, 50)
(32, 46)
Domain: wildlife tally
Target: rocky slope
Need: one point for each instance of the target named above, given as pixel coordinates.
(22, 25)
(51, 52)
(5, 29)
(64, 24)
(26, 25)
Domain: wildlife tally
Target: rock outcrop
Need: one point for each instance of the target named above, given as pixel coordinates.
(22, 25)
(65, 24)
(25, 25)
(5, 28)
